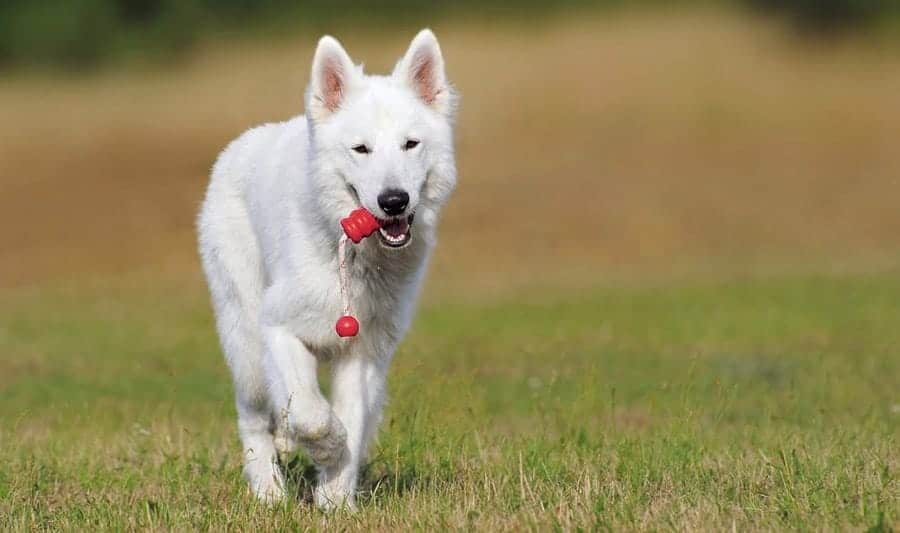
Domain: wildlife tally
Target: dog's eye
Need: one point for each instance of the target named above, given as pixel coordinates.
(361, 149)
(410, 144)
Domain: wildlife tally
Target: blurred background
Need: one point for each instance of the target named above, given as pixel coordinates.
(597, 141)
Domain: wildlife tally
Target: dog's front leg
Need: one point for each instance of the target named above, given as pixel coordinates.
(301, 412)
(358, 397)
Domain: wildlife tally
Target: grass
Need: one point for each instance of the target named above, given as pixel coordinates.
(766, 404)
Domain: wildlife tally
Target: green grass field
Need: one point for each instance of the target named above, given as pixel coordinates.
(758, 404)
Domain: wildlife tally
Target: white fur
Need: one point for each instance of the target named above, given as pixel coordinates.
(269, 230)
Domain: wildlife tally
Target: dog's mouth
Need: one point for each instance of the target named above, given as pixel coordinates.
(395, 232)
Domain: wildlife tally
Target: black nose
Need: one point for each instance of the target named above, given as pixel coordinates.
(393, 201)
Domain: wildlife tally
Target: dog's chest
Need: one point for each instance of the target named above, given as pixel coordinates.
(378, 296)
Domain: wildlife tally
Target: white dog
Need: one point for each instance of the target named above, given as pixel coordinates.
(269, 231)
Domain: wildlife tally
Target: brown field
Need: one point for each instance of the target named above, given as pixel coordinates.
(606, 146)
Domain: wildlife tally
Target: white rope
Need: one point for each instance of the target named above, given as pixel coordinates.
(343, 275)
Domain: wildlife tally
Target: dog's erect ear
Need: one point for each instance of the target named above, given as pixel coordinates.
(333, 77)
(422, 68)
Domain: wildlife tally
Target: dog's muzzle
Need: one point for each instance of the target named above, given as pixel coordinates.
(395, 232)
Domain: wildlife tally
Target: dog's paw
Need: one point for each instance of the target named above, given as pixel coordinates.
(317, 429)
(265, 482)
(328, 444)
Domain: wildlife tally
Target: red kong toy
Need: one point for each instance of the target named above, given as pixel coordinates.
(358, 225)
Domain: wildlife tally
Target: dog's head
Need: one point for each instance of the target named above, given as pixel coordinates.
(383, 142)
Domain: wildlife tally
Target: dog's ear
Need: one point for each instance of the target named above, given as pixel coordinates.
(422, 68)
(333, 77)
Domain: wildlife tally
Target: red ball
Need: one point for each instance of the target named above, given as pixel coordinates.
(347, 326)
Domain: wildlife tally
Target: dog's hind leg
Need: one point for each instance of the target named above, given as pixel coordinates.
(231, 261)
(260, 456)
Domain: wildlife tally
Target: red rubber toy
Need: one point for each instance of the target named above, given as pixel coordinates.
(347, 326)
(359, 224)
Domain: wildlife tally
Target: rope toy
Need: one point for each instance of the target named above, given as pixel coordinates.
(358, 225)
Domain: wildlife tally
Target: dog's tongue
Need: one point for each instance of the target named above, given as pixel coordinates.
(396, 227)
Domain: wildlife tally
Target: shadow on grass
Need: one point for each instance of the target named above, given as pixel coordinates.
(377, 480)
(300, 475)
